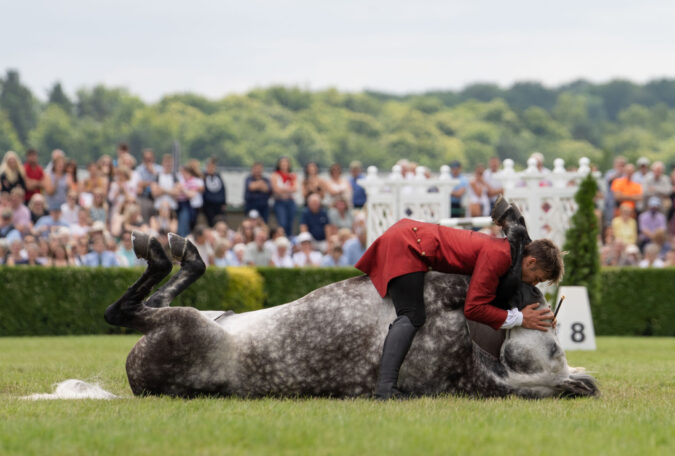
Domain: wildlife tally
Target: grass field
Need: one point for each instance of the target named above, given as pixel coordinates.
(634, 416)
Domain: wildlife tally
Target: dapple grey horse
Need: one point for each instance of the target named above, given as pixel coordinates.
(327, 343)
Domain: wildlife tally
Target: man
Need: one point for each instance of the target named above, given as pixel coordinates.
(611, 175)
(456, 209)
(642, 170)
(34, 174)
(164, 188)
(495, 187)
(257, 192)
(314, 218)
(7, 230)
(625, 189)
(147, 175)
(214, 193)
(257, 253)
(657, 184)
(651, 222)
(307, 256)
(99, 256)
(48, 223)
(398, 260)
(355, 247)
(20, 213)
(358, 192)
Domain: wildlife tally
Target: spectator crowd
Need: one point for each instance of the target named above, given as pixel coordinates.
(53, 216)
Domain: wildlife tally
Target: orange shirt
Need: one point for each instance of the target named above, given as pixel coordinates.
(628, 188)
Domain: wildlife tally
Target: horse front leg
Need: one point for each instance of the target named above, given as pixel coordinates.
(192, 267)
(125, 310)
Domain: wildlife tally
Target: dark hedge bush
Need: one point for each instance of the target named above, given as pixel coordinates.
(55, 301)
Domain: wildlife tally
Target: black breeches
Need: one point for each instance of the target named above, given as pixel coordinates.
(407, 293)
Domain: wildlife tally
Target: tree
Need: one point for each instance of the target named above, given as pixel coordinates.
(19, 104)
(58, 97)
(53, 131)
(9, 140)
(582, 262)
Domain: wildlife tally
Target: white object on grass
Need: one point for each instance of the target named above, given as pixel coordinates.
(73, 389)
(575, 323)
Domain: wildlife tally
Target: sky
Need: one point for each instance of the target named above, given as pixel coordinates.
(216, 48)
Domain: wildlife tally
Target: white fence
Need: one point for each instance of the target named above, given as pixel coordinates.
(546, 198)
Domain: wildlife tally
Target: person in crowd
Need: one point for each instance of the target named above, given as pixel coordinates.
(495, 186)
(334, 257)
(70, 208)
(121, 151)
(57, 182)
(657, 184)
(358, 192)
(222, 255)
(239, 251)
(38, 207)
(122, 189)
(257, 192)
(625, 189)
(651, 258)
(631, 255)
(59, 256)
(71, 172)
(478, 193)
(12, 173)
(99, 255)
(339, 216)
(670, 258)
(314, 218)
(49, 223)
(214, 193)
(190, 188)
(336, 185)
(165, 219)
(312, 183)
(306, 255)
(223, 231)
(539, 158)
(98, 212)
(282, 253)
(105, 165)
(202, 239)
(624, 225)
(616, 172)
(7, 230)
(34, 174)
(16, 255)
(129, 219)
(651, 222)
(246, 230)
(355, 247)
(30, 259)
(148, 172)
(642, 170)
(458, 191)
(165, 189)
(284, 186)
(21, 217)
(257, 253)
(83, 225)
(95, 180)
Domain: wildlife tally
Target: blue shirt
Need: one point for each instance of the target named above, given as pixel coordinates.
(105, 259)
(353, 250)
(463, 183)
(316, 223)
(10, 234)
(256, 199)
(358, 192)
(328, 260)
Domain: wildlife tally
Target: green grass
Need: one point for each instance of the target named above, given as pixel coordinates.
(634, 415)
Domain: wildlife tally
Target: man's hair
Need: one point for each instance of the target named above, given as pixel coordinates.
(549, 258)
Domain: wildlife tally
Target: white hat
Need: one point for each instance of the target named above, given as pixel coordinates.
(643, 161)
(254, 214)
(97, 226)
(304, 237)
(282, 242)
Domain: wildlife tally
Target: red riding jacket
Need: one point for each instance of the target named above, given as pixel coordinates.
(410, 246)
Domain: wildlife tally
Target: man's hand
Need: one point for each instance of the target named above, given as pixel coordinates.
(537, 319)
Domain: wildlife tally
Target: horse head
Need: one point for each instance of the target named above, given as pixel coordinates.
(535, 361)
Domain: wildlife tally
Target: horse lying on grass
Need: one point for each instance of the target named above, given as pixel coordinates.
(327, 343)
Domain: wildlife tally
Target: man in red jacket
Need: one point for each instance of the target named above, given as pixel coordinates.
(397, 261)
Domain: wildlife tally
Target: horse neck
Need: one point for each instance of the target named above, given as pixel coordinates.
(489, 373)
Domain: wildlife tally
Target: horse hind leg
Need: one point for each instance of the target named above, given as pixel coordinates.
(192, 267)
(125, 310)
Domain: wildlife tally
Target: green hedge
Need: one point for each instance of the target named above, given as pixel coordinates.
(636, 302)
(52, 301)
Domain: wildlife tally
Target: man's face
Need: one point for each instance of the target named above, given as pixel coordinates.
(148, 157)
(98, 245)
(31, 158)
(256, 170)
(456, 170)
(167, 164)
(531, 273)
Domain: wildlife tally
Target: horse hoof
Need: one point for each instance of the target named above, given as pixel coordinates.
(141, 244)
(499, 210)
(177, 245)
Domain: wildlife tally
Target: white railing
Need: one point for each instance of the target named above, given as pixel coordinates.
(546, 199)
(395, 197)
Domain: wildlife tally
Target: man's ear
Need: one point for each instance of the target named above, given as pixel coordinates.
(530, 262)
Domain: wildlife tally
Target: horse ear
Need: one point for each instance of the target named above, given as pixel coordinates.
(579, 385)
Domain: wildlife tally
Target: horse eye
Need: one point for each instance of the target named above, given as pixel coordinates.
(553, 350)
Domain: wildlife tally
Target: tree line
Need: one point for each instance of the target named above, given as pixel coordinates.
(599, 121)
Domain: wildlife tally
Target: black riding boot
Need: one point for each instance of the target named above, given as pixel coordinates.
(396, 346)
